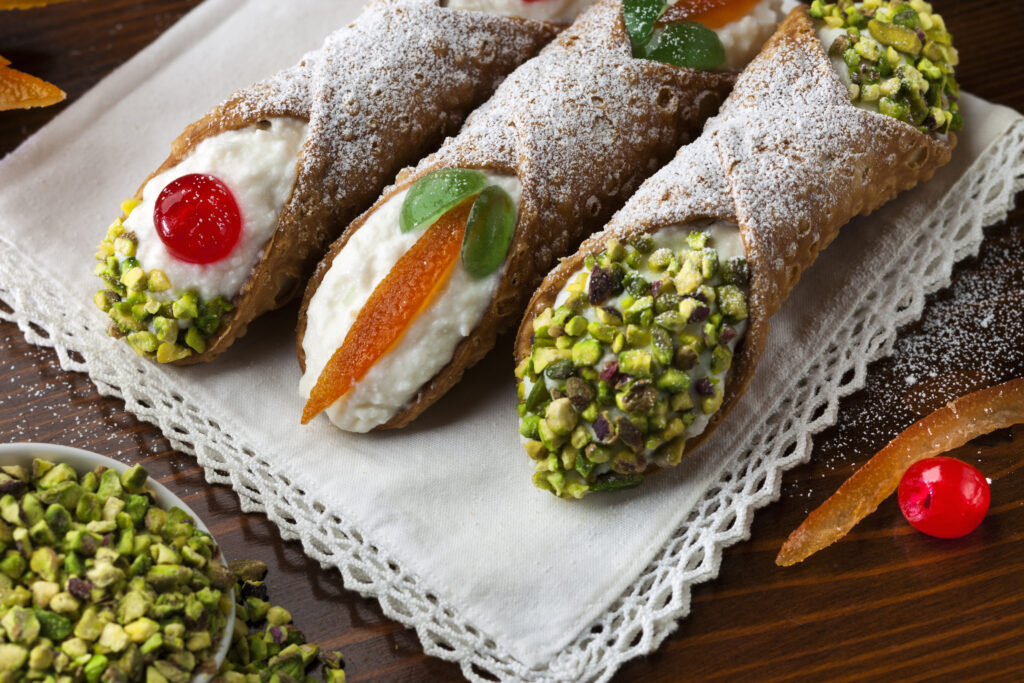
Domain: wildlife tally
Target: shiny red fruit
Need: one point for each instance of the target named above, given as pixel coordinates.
(197, 218)
(944, 497)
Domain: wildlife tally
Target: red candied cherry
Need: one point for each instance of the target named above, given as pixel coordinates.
(944, 497)
(197, 218)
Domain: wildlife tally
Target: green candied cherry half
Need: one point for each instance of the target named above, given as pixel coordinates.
(436, 193)
(489, 231)
(688, 44)
(639, 17)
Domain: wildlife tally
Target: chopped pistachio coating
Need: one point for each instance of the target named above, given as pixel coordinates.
(650, 337)
(97, 583)
(157, 325)
(266, 645)
(898, 56)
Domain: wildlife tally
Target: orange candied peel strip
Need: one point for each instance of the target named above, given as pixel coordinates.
(947, 428)
(711, 13)
(21, 91)
(26, 4)
(394, 304)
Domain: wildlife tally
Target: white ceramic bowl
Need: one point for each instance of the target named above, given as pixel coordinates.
(85, 461)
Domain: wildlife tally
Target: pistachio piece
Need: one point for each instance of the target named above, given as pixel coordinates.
(637, 399)
(629, 434)
(560, 416)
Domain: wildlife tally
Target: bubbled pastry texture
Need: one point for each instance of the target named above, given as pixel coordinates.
(581, 125)
(791, 160)
(378, 94)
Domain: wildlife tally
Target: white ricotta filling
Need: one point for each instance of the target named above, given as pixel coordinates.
(743, 38)
(555, 11)
(259, 167)
(425, 348)
(723, 237)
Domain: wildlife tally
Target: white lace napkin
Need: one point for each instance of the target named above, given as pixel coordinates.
(440, 521)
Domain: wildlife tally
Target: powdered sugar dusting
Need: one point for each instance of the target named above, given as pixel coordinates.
(790, 159)
(379, 94)
(581, 125)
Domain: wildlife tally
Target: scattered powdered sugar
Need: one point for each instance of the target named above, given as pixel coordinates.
(970, 336)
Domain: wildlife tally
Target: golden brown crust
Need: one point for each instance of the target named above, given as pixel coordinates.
(378, 95)
(581, 125)
(791, 160)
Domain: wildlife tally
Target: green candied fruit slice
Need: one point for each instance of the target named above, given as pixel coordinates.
(687, 44)
(640, 17)
(902, 38)
(434, 194)
(489, 230)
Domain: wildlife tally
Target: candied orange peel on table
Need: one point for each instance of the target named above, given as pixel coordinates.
(27, 4)
(949, 427)
(19, 90)
(392, 307)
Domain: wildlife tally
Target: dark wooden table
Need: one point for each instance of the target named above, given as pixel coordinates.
(885, 602)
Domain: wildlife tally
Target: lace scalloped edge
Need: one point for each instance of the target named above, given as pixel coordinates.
(640, 619)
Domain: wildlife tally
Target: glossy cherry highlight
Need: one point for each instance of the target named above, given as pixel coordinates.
(944, 497)
(197, 218)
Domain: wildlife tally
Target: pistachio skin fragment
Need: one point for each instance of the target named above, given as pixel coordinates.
(652, 326)
(156, 325)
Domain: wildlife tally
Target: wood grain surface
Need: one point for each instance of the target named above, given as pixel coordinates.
(884, 603)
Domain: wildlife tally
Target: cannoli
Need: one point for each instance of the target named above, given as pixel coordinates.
(254, 192)
(635, 348)
(417, 289)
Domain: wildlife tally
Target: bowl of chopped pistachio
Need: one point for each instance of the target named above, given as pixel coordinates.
(105, 574)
